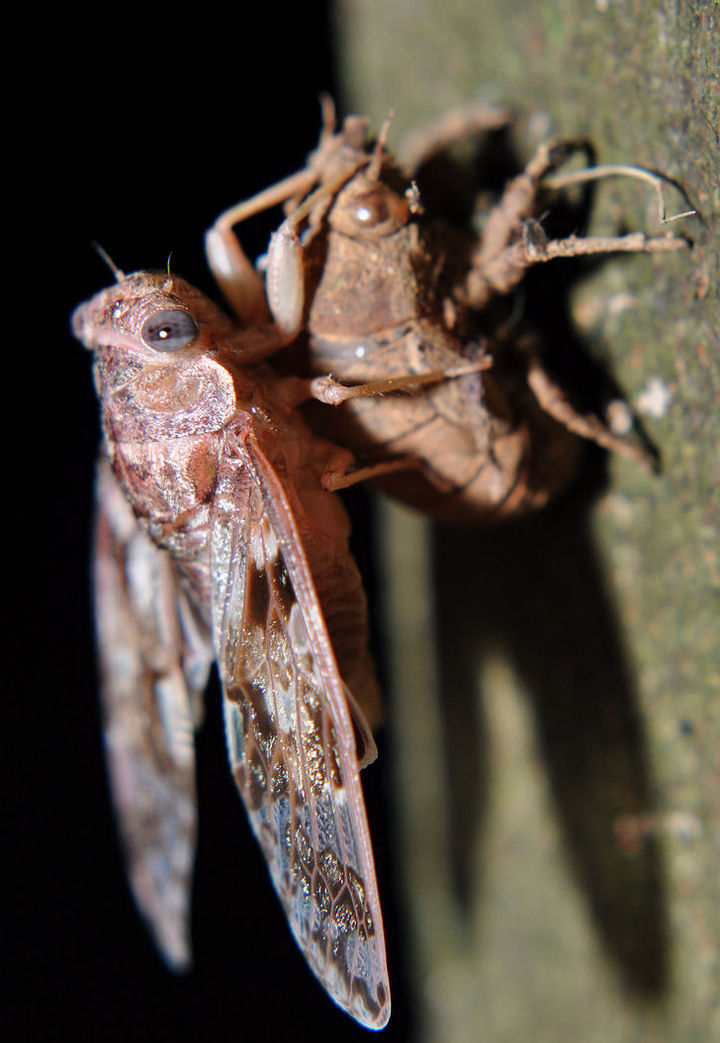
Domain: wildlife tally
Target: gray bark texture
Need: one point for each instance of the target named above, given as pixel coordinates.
(557, 745)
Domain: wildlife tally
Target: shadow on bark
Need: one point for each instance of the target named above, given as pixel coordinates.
(535, 588)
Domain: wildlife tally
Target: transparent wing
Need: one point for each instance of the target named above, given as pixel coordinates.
(290, 737)
(154, 661)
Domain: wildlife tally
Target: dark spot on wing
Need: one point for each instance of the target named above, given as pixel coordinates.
(258, 596)
(282, 587)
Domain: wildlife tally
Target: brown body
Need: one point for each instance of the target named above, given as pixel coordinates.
(381, 307)
(169, 424)
(390, 293)
(217, 541)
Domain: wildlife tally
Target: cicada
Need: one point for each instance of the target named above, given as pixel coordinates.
(390, 290)
(217, 541)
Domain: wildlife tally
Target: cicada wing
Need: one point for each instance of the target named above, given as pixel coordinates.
(153, 661)
(290, 737)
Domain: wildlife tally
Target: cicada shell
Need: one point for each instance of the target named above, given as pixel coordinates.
(217, 542)
(391, 291)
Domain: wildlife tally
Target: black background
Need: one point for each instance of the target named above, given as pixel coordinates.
(135, 129)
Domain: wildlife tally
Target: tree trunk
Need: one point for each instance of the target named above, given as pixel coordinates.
(557, 750)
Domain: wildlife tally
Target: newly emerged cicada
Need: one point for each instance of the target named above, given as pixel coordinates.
(216, 540)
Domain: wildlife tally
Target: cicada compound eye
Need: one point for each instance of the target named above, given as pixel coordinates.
(374, 213)
(169, 330)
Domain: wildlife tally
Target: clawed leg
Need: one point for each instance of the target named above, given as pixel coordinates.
(512, 241)
(333, 393)
(463, 122)
(503, 272)
(240, 283)
(340, 472)
(551, 398)
(242, 286)
(516, 204)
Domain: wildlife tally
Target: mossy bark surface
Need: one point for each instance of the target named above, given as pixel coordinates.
(558, 742)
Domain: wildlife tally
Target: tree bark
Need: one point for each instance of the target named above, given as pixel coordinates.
(557, 749)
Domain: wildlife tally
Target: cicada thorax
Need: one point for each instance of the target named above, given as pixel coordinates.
(164, 434)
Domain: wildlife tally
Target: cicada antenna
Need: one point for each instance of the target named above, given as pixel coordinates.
(373, 170)
(105, 256)
(169, 285)
(328, 116)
